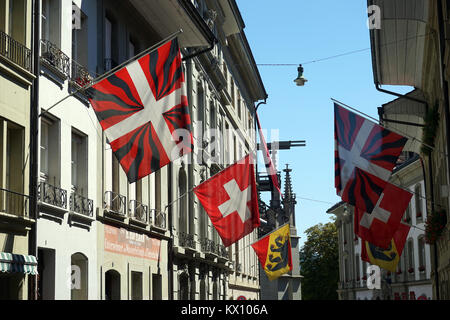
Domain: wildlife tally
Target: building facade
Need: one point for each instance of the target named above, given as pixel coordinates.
(68, 154)
(98, 236)
(411, 280)
(16, 79)
(419, 59)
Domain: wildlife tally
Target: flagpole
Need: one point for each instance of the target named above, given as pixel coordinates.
(108, 73)
(378, 123)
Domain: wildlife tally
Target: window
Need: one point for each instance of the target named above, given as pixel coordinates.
(50, 22)
(358, 265)
(239, 105)
(182, 209)
(232, 94)
(422, 263)
(200, 108)
(158, 191)
(50, 151)
(80, 39)
(364, 270)
(111, 44)
(108, 39)
(407, 216)
(79, 164)
(410, 255)
(14, 12)
(44, 148)
(418, 202)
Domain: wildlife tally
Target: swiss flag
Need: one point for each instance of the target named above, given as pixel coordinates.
(231, 201)
(379, 226)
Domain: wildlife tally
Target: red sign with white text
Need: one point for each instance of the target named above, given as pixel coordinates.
(131, 243)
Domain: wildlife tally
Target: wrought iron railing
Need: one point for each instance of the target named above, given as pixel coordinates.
(158, 219)
(186, 240)
(52, 195)
(115, 203)
(53, 56)
(13, 203)
(208, 246)
(82, 205)
(15, 51)
(222, 251)
(138, 211)
(80, 75)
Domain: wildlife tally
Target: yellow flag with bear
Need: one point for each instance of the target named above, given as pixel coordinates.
(274, 252)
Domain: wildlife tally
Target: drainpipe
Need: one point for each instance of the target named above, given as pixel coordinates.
(34, 148)
(170, 242)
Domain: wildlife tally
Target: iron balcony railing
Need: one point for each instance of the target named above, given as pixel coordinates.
(115, 203)
(158, 219)
(208, 246)
(13, 203)
(81, 205)
(222, 251)
(15, 51)
(53, 56)
(80, 75)
(138, 211)
(52, 195)
(186, 240)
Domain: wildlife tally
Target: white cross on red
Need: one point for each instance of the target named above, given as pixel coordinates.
(237, 202)
(152, 112)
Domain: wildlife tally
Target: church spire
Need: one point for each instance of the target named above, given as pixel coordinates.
(288, 194)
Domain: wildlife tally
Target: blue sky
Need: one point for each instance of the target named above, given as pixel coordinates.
(298, 31)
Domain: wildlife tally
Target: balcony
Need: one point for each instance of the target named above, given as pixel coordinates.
(138, 212)
(158, 219)
(55, 59)
(222, 251)
(13, 203)
(208, 246)
(80, 76)
(115, 204)
(81, 205)
(51, 195)
(186, 240)
(15, 52)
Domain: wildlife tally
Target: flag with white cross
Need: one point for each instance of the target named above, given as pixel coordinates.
(143, 110)
(230, 199)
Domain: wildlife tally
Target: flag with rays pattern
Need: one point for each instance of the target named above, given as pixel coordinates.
(143, 110)
(365, 155)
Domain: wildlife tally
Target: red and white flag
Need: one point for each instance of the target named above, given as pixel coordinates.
(230, 199)
(379, 226)
(143, 110)
(271, 172)
(365, 155)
